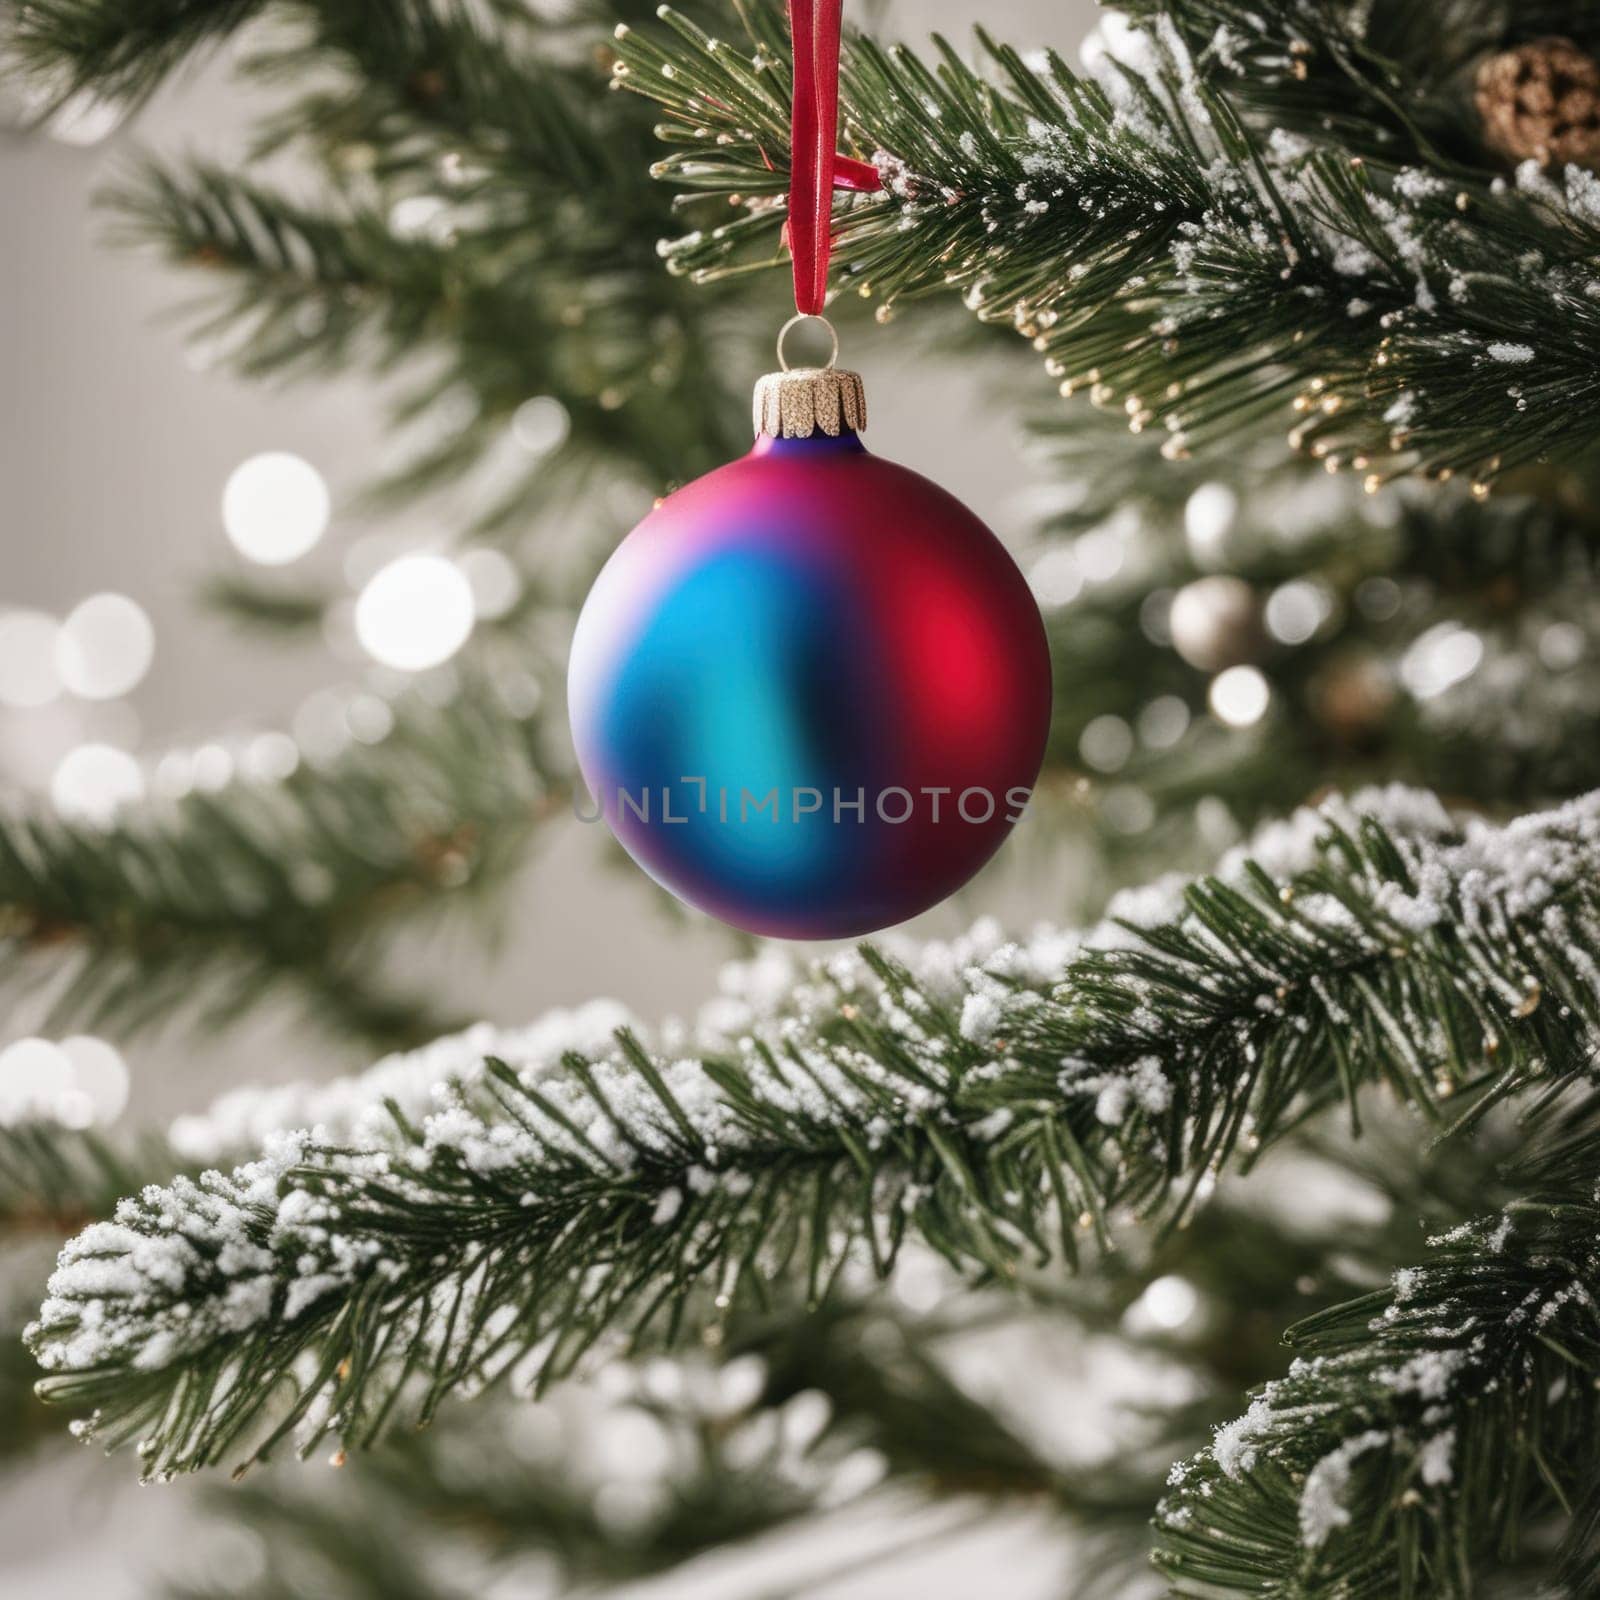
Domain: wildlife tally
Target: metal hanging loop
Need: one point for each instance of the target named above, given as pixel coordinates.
(808, 316)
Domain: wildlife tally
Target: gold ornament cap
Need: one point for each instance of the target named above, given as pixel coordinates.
(800, 401)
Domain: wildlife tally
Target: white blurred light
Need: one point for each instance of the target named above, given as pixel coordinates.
(35, 1076)
(105, 647)
(539, 424)
(1106, 743)
(1155, 616)
(419, 216)
(623, 1507)
(519, 693)
(28, 673)
(860, 1471)
(1562, 646)
(174, 774)
(275, 507)
(370, 718)
(629, 1443)
(270, 758)
(740, 1384)
(415, 613)
(1442, 657)
(320, 728)
(1100, 553)
(496, 584)
(211, 769)
(1215, 622)
(920, 1281)
(804, 1418)
(74, 1109)
(1295, 610)
(1239, 696)
(1166, 1304)
(1127, 809)
(84, 120)
(1207, 520)
(94, 781)
(1163, 722)
(1056, 577)
(99, 1073)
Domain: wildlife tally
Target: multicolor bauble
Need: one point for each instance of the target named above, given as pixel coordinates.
(810, 692)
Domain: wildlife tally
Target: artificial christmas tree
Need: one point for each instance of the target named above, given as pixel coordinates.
(847, 1178)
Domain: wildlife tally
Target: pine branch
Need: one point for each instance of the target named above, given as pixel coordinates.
(1383, 81)
(1157, 251)
(498, 314)
(269, 607)
(535, 1211)
(206, 904)
(1424, 1430)
(120, 51)
(483, 203)
(488, 1501)
(1393, 582)
(54, 1180)
(807, 1418)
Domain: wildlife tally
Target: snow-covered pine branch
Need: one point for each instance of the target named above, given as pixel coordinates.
(536, 1208)
(266, 866)
(1422, 1430)
(1166, 249)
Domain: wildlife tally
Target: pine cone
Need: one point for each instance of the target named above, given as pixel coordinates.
(1541, 101)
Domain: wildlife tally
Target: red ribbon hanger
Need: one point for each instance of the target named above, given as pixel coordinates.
(815, 167)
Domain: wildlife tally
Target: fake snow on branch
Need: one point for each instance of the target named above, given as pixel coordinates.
(1167, 245)
(1422, 1427)
(544, 1199)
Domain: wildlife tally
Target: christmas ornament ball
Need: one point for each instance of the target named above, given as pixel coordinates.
(810, 692)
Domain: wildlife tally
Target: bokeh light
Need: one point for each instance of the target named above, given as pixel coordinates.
(1440, 659)
(94, 782)
(420, 216)
(540, 424)
(211, 768)
(270, 758)
(1106, 743)
(275, 507)
(79, 1082)
(1056, 578)
(1208, 518)
(85, 119)
(105, 647)
(28, 673)
(415, 613)
(1163, 722)
(35, 1075)
(1165, 1306)
(99, 1073)
(496, 584)
(1296, 610)
(1240, 696)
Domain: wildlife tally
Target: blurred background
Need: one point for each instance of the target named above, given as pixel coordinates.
(138, 473)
